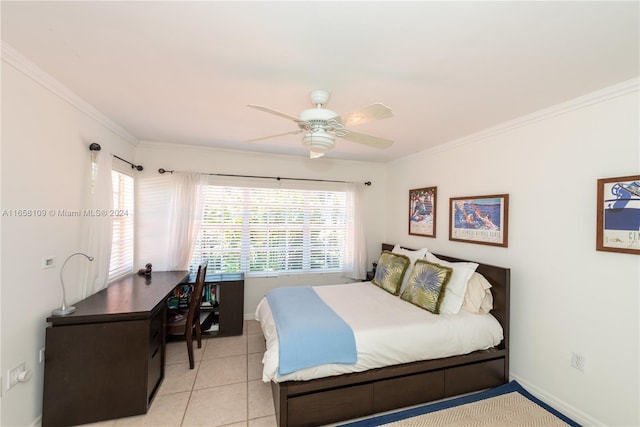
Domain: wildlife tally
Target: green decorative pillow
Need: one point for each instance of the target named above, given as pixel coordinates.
(390, 271)
(427, 285)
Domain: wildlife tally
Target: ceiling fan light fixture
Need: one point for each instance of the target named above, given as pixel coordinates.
(315, 155)
(318, 141)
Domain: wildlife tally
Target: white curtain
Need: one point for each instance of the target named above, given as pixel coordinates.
(355, 251)
(98, 228)
(184, 218)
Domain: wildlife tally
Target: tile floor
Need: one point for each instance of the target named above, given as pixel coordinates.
(224, 389)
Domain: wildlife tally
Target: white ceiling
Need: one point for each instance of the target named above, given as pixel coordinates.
(183, 72)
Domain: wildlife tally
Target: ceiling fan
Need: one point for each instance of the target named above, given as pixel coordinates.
(320, 126)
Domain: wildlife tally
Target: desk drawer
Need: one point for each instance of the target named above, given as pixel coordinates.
(156, 329)
(155, 371)
(156, 352)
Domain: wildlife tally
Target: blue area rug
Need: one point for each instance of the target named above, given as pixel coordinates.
(510, 387)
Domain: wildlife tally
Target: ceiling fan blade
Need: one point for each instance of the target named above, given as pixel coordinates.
(367, 114)
(372, 141)
(293, 132)
(272, 111)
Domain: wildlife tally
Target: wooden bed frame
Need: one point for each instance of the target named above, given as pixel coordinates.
(338, 398)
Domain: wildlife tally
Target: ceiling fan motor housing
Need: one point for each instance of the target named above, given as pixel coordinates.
(317, 114)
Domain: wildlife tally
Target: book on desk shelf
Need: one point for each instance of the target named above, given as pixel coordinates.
(182, 296)
(209, 294)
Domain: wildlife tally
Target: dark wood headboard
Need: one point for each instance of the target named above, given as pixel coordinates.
(500, 279)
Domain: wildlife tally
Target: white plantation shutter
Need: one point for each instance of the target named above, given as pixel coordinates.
(271, 230)
(123, 221)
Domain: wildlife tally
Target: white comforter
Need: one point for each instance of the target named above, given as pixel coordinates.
(388, 331)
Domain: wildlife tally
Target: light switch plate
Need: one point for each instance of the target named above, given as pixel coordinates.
(48, 262)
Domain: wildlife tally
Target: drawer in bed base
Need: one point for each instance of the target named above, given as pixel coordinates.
(408, 390)
(474, 377)
(330, 406)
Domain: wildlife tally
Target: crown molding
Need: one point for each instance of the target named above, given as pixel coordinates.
(620, 89)
(31, 70)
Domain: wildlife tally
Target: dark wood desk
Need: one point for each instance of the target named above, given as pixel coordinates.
(106, 360)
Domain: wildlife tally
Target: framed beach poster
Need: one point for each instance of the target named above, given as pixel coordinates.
(479, 219)
(618, 216)
(422, 211)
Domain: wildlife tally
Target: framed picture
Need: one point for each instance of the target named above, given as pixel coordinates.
(479, 219)
(618, 217)
(422, 211)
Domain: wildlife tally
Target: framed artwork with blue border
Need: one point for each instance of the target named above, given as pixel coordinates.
(422, 211)
(479, 219)
(618, 216)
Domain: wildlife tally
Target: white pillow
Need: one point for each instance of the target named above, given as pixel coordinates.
(457, 286)
(478, 298)
(413, 256)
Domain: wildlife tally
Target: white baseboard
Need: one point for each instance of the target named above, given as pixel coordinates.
(558, 404)
(37, 422)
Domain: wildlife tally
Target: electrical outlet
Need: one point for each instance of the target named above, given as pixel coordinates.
(41, 355)
(578, 361)
(14, 374)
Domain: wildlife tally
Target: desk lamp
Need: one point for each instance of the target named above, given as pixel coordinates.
(64, 310)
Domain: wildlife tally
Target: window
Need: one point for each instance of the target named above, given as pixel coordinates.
(122, 216)
(271, 230)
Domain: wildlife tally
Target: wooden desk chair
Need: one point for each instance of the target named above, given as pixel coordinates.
(185, 323)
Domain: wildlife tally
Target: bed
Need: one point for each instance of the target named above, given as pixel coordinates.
(390, 379)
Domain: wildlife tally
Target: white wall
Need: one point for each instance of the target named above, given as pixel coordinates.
(152, 200)
(565, 295)
(45, 165)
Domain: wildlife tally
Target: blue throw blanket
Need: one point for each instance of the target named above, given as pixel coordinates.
(310, 333)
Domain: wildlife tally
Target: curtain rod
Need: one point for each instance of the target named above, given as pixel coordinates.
(368, 183)
(94, 146)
